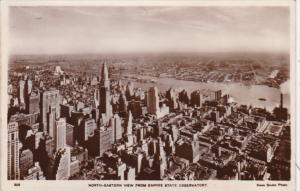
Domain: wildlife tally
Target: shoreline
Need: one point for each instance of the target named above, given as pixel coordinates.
(242, 94)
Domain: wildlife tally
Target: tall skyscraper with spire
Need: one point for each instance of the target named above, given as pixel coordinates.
(104, 92)
(104, 76)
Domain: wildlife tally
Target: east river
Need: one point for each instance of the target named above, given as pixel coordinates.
(241, 93)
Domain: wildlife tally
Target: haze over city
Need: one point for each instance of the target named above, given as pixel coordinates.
(73, 30)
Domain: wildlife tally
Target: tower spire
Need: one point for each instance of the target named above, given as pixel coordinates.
(104, 92)
(104, 76)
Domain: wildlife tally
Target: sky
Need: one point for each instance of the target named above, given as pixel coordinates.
(80, 30)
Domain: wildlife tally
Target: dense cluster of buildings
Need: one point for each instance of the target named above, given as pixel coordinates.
(62, 126)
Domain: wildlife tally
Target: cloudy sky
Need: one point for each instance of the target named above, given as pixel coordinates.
(60, 30)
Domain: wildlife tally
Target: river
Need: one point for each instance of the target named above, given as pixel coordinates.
(241, 93)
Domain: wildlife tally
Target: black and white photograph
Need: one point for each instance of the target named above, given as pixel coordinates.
(165, 92)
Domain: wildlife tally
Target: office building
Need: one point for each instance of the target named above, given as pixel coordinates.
(35, 173)
(116, 127)
(136, 108)
(153, 100)
(129, 124)
(21, 96)
(26, 161)
(32, 103)
(63, 161)
(86, 129)
(70, 140)
(49, 100)
(129, 93)
(130, 173)
(196, 99)
(60, 134)
(51, 120)
(80, 153)
(184, 97)
(171, 94)
(74, 166)
(121, 168)
(218, 95)
(105, 139)
(13, 164)
(123, 104)
(66, 111)
(215, 116)
(49, 144)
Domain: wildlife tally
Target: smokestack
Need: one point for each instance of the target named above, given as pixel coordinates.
(281, 100)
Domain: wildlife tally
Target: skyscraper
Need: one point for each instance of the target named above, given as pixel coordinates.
(196, 99)
(21, 96)
(105, 140)
(129, 124)
(121, 167)
(70, 140)
(130, 173)
(27, 97)
(153, 100)
(49, 99)
(96, 98)
(13, 166)
(135, 107)
(171, 94)
(32, 103)
(26, 161)
(51, 120)
(218, 95)
(60, 134)
(215, 115)
(184, 97)
(122, 104)
(116, 126)
(86, 129)
(129, 130)
(129, 91)
(172, 97)
(104, 89)
(65, 111)
(63, 160)
(104, 76)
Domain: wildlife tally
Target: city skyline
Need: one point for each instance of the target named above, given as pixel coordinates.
(37, 30)
(159, 92)
(83, 128)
